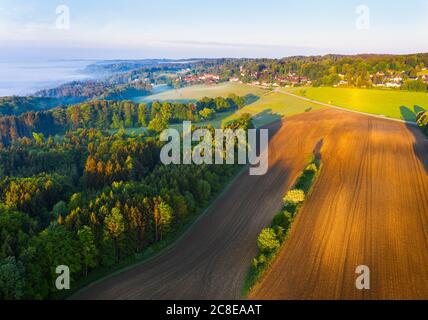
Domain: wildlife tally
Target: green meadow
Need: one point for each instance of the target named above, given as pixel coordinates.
(265, 105)
(389, 103)
(197, 92)
(423, 73)
(273, 105)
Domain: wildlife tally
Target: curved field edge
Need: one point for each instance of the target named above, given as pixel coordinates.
(150, 253)
(267, 106)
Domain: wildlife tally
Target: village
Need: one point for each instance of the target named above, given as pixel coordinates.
(388, 79)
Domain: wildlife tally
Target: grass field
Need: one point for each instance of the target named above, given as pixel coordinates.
(423, 73)
(390, 103)
(197, 92)
(268, 107)
(273, 105)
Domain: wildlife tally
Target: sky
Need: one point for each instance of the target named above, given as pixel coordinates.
(135, 29)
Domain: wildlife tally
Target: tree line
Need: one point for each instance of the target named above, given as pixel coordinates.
(270, 239)
(105, 114)
(17, 105)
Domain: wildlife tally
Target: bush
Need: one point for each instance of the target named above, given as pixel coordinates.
(262, 260)
(283, 219)
(294, 197)
(267, 241)
(312, 168)
(207, 114)
(255, 263)
(281, 233)
(422, 121)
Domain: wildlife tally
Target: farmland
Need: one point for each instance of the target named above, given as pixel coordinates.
(396, 104)
(354, 216)
(197, 92)
(265, 106)
(369, 206)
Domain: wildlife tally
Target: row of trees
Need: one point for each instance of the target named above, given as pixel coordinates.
(270, 239)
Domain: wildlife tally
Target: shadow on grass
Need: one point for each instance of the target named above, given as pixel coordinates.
(410, 115)
(251, 98)
(420, 146)
(266, 117)
(407, 114)
(418, 109)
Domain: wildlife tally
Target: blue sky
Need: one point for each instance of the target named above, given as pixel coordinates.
(209, 28)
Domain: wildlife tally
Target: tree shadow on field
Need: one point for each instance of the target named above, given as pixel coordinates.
(407, 114)
(317, 150)
(267, 117)
(251, 98)
(420, 147)
(418, 109)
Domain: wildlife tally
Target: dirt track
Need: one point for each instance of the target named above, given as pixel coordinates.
(370, 206)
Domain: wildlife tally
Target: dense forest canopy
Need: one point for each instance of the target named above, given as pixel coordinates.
(17, 105)
(91, 199)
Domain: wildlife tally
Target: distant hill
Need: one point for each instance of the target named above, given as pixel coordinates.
(15, 105)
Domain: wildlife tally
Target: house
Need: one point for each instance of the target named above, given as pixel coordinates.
(397, 79)
(393, 85)
(209, 76)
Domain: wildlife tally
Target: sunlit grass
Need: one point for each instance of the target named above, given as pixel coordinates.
(268, 107)
(389, 103)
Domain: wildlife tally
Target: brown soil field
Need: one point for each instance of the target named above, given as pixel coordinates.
(212, 259)
(368, 206)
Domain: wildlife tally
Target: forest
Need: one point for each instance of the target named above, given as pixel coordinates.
(117, 81)
(104, 114)
(91, 199)
(16, 105)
